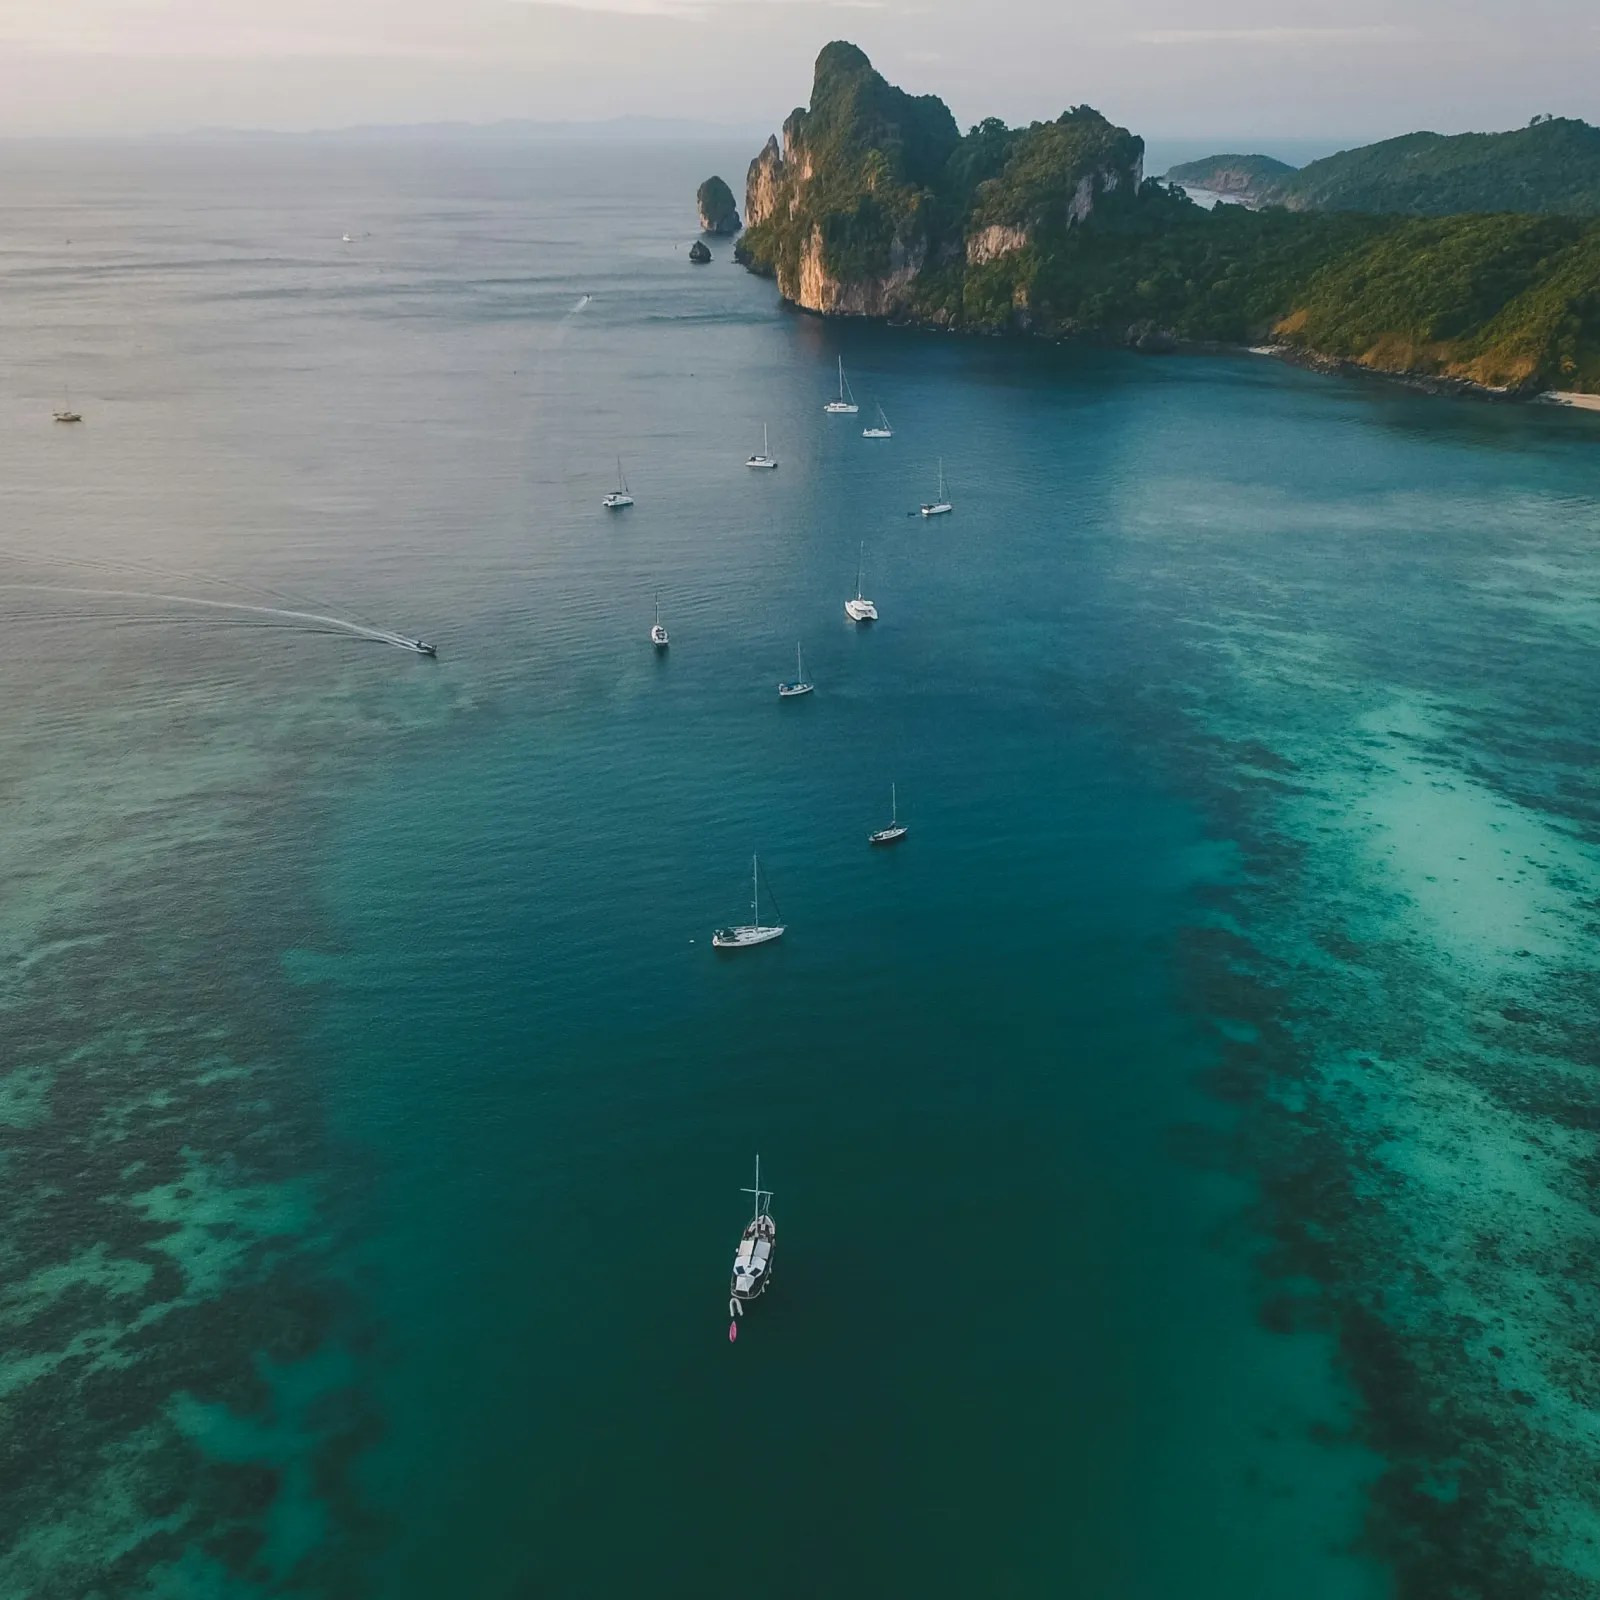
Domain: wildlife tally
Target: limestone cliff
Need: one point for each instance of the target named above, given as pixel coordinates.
(871, 186)
(718, 214)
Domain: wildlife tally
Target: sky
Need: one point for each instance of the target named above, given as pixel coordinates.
(1173, 69)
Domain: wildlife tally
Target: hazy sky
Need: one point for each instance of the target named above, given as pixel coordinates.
(1169, 68)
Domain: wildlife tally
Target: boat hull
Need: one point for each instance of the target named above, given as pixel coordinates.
(761, 464)
(617, 502)
(793, 691)
(745, 938)
(891, 835)
(876, 433)
(937, 511)
(839, 408)
(861, 611)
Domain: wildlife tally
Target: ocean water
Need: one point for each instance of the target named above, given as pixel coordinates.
(1182, 1144)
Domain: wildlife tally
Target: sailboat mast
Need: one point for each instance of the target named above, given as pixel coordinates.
(861, 556)
(894, 806)
(755, 908)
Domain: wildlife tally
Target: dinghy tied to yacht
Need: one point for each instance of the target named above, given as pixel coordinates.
(754, 931)
(752, 1261)
(845, 403)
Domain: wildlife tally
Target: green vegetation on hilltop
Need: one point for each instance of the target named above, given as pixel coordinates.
(1250, 177)
(1048, 229)
(1551, 167)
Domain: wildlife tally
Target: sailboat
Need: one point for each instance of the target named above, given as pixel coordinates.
(941, 506)
(752, 932)
(67, 414)
(896, 830)
(762, 460)
(658, 634)
(860, 609)
(880, 429)
(752, 1261)
(618, 498)
(845, 405)
(788, 691)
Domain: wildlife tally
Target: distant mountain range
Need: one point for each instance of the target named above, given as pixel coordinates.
(511, 130)
(1549, 168)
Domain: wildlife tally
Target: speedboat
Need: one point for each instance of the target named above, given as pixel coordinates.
(423, 648)
(752, 1261)
(752, 932)
(860, 609)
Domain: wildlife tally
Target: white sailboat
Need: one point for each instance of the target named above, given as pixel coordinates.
(658, 634)
(896, 830)
(860, 609)
(618, 498)
(845, 405)
(940, 506)
(67, 413)
(753, 931)
(880, 429)
(764, 460)
(788, 691)
(752, 1261)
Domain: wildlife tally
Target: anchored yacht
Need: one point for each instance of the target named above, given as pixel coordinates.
(658, 634)
(940, 506)
(618, 498)
(860, 609)
(753, 931)
(788, 691)
(896, 830)
(752, 1261)
(845, 405)
(880, 429)
(762, 461)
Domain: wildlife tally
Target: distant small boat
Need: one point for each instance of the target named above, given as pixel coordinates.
(880, 429)
(860, 609)
(896, 830)
(788, 691)
(845, 405)
(940, 506)
(618, 498)
(762, 460)
(753, 931)
(658, 634)
(67, 414)
(752, 1261)
(423, 648)
(345, 238)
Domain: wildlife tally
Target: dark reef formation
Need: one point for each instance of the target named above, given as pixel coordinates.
(718, 213)
(874, 204)
(698, 253)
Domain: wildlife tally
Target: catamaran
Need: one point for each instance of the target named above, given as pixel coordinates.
(752, 1261)
(788, 691)
(618, 498)
(860, 609)
(896, 830)
(845, 405)
(658, 634)
(880, 429)
(941, 506)
(752, 932)
(763, 460)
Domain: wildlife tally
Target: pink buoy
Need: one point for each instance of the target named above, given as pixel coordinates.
(733, 1331)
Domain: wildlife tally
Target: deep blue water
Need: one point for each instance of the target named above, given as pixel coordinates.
(426, 1169)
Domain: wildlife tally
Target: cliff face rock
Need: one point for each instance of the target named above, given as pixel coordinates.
(698, 253)
(871, 185)
(989, 244)
(718, 214)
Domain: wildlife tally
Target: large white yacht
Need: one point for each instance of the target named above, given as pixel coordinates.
(753, 931)
(860, 609)
(845, 404)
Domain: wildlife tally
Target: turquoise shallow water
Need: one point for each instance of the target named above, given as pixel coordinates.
(1178, 1143)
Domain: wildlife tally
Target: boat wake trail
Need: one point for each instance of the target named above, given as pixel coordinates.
(325, 622)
